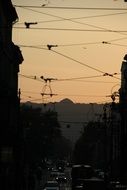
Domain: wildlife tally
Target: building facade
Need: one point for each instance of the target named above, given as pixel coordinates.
(10, 135)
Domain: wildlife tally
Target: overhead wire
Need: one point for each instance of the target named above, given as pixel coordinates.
(31, 77)
(86, 65)
(78, 79)
(81, 63)
(80, 30)
(44, 98)
(87, 81)
(117, 39)
(115, 44)
(76, 18)
(30, 46)
(74, 29)
(101, 28)
(75, 44)
(63, 7)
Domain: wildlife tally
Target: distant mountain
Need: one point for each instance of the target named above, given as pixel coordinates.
(72, 116)
(66, 101)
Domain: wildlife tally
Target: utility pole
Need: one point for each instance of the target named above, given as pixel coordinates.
(10, 136)
(123, 130)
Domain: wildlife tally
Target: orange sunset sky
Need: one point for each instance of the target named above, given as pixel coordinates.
(89, 40)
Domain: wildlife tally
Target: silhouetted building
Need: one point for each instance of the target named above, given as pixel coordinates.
(123, 112)
(10, 134)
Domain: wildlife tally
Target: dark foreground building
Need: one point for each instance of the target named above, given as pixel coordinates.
(10, 131)
(123, 112)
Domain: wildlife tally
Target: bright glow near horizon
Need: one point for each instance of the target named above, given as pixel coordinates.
(79, 52)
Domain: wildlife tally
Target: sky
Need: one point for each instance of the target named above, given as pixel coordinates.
(73, 49)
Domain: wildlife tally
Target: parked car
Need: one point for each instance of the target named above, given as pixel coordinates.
(79, 172)
(51, 185)
(61, 178)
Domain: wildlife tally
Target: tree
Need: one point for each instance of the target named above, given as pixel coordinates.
(89, 148)
(42, 135)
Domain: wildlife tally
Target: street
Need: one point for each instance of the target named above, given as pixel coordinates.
(62, 186)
